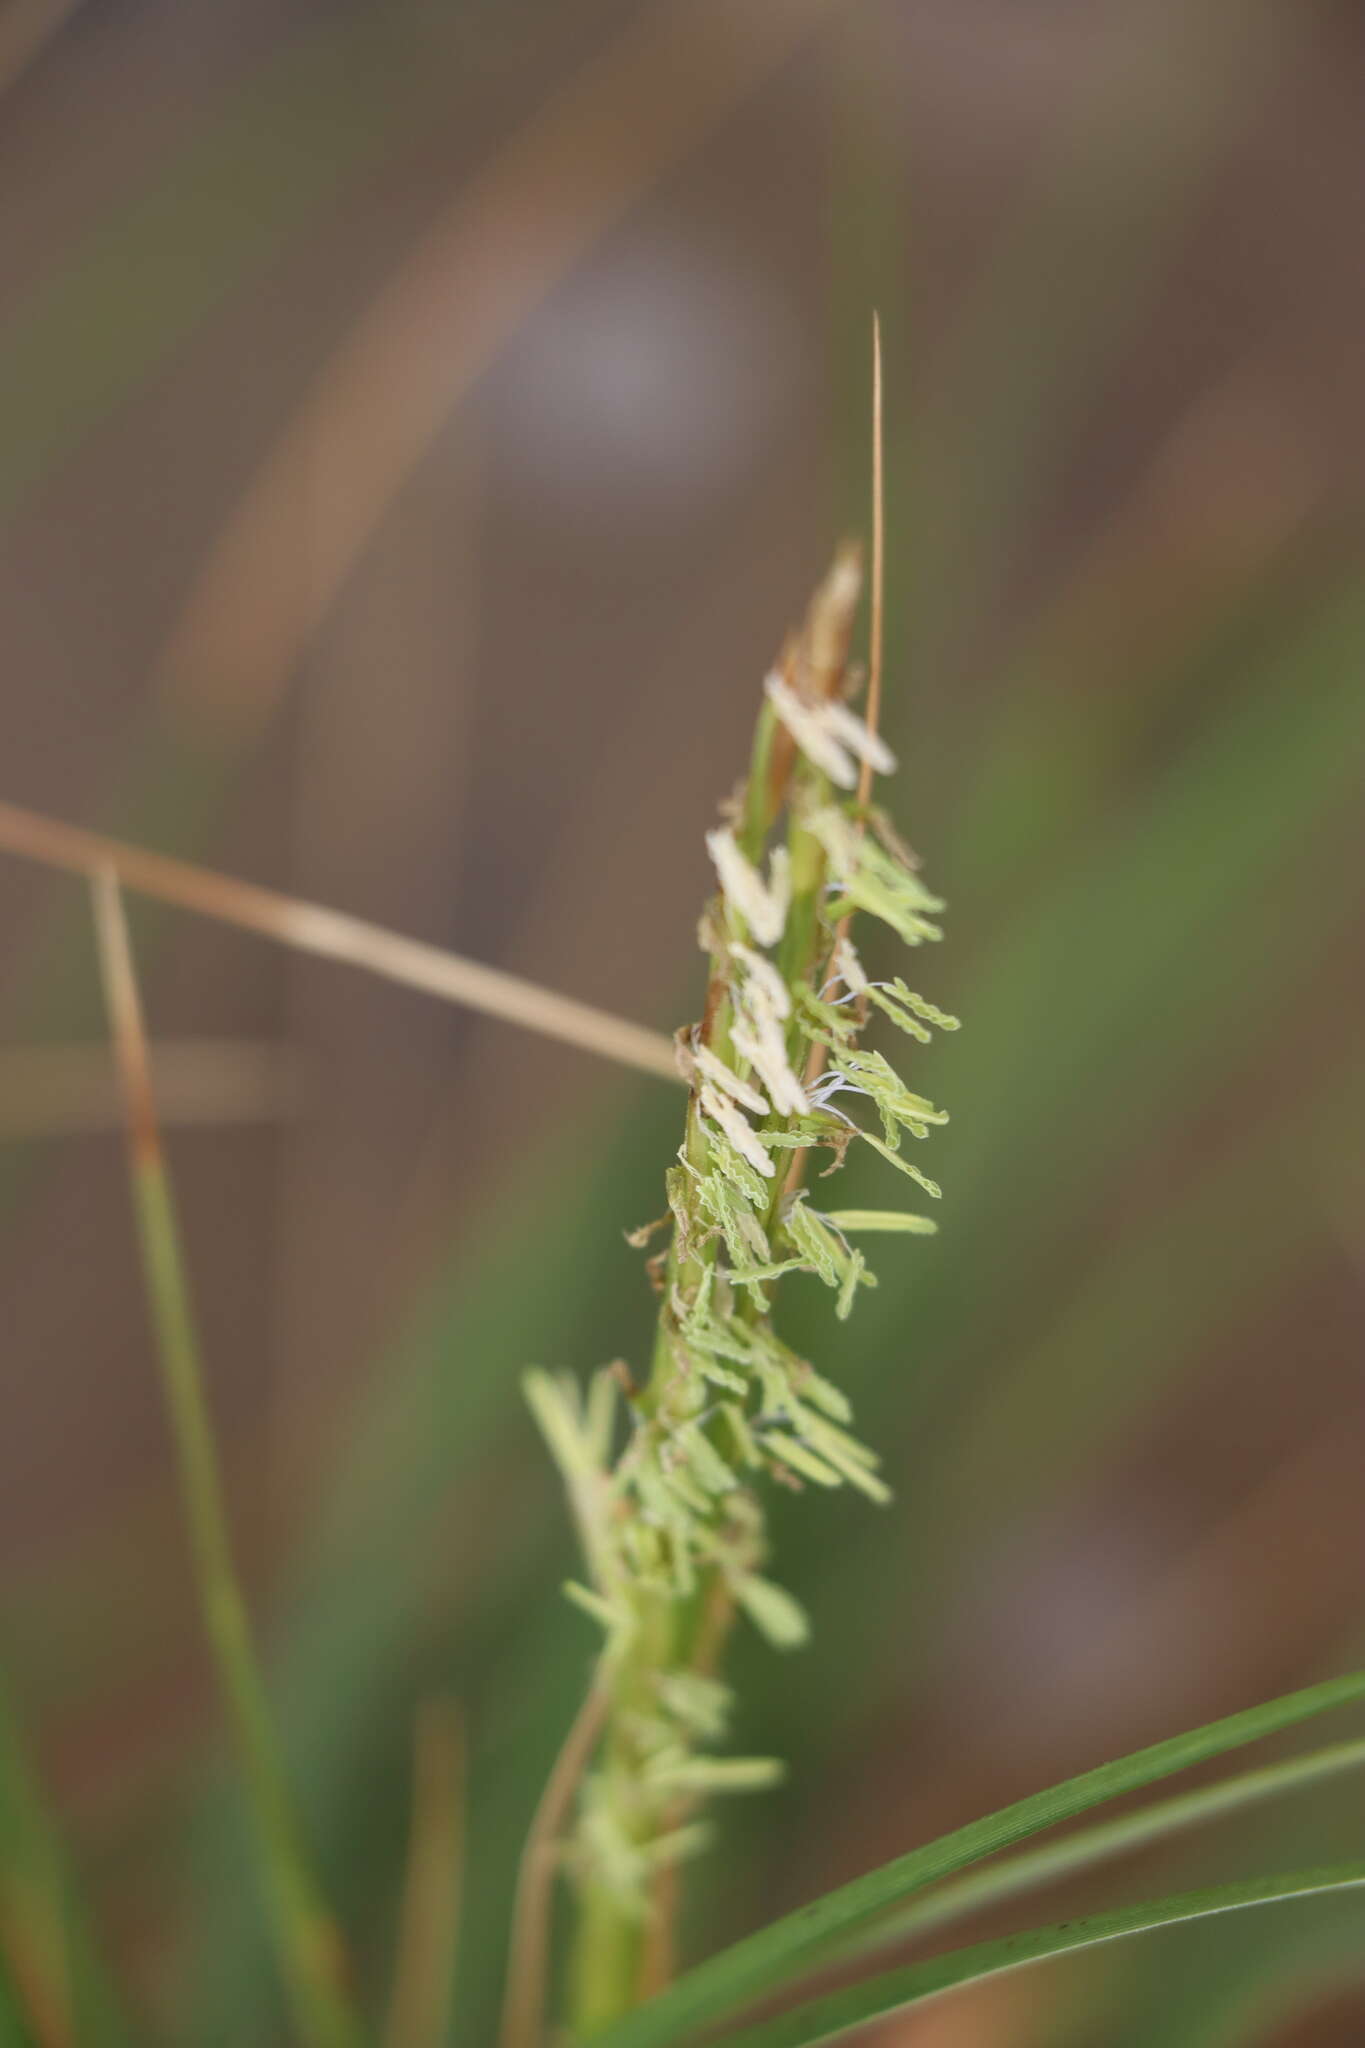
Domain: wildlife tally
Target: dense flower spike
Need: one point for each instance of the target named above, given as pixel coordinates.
(666, 1479)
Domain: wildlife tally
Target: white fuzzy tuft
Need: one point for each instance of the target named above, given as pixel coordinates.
(737, 1129)
(763, 905)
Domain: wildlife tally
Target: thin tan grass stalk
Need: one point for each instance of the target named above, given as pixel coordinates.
(523, 2016)
(55, 1091)
(306, 1937)
(333, 935)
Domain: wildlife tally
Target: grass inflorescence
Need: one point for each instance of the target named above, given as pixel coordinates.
(666, 1476)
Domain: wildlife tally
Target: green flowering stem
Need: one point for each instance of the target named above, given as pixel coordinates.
(606, 1961)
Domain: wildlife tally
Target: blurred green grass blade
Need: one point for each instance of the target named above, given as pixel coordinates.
(1229, 1983)
(15, 2031)
(1105, 212)
(825, 2019)
(1092, 1845)
(1237, 1991)
(1093, 972)
(1226, 1985)
(1141, 1315)
(34, 1945)
(40, 1915)
(1213, 1257)
(1106, 962)
(1112, 985)
(316, 116)
(778, 1955)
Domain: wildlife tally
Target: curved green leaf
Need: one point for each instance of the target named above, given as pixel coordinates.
(1105, 1839)
(824, 2019)
(778, 1955)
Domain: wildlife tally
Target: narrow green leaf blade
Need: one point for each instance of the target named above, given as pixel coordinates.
(826, 2019)
(778, 1955)
(1103, 1840)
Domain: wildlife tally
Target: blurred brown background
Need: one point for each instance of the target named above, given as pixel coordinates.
(418, 423)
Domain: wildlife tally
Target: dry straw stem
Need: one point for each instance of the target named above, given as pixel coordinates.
(52, 1091)
(878, 599)
(333, 935)
(636, 108)
(429, 1920)
(528, 1958)
(306, 1938)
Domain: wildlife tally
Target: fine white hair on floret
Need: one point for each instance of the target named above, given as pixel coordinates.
(720, 1076)
(857, 735)
(763, 905)
(814, 737)
(737, 1129)
(763, 987)
(763, 1047)
(829, 734)
(847, 967)
(762, 1004)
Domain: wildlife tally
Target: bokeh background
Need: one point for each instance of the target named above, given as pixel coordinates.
(418, 423)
